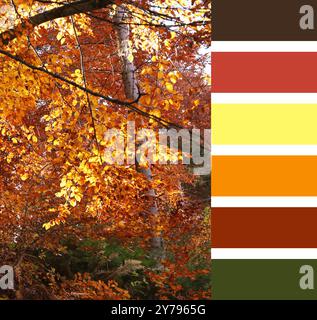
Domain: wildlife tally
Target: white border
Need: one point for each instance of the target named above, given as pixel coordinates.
(264, 46)
(263, 150)
(263, 98)
(263, 253)
(263, 202)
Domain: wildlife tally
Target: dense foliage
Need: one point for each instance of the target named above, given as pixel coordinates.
(71, 225)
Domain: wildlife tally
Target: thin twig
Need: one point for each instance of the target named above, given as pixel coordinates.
(83, 71)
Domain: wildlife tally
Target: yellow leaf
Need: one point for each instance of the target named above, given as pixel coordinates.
(63, 183)
(14, 140)
(173, 79)
(78, 197)
(68, 183)
(173, 35)
(24, 177)
(34, 139)
(196, 102)
(156, 112)
(167, 43)
(59, 36)
(46, 226)
(169, 86)
(59, 194)
(72, 202)
(9, 157)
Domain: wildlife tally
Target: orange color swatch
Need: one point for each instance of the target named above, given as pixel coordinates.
(264, 176)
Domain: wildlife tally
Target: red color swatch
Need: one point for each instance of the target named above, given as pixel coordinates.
(264, 72)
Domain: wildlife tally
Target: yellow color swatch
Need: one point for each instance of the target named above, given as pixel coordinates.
(267, 124)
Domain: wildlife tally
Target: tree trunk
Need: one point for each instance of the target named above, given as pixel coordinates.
(132, 93)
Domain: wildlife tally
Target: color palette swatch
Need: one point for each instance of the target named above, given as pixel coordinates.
(264, 151)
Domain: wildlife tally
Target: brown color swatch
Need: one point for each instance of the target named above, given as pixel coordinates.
(264, 227)
(266, 20)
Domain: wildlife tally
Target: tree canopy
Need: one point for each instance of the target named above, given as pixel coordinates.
(72, 225)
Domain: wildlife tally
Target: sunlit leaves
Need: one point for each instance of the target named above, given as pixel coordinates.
(55, 179)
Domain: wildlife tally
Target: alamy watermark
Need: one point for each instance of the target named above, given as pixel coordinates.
(6, 278)
(307, 19)
(167, 146)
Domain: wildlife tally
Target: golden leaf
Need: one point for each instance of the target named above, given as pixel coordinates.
(169, 87)
(24, 177)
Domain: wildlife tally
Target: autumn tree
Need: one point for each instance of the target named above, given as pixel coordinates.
(71, 70)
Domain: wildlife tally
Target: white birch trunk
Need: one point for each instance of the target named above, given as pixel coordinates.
(132, 92)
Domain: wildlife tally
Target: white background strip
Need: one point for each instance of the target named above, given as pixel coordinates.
(264, 202)
(262, 98)
(263, 253)
(263, 150)
(264, 46)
